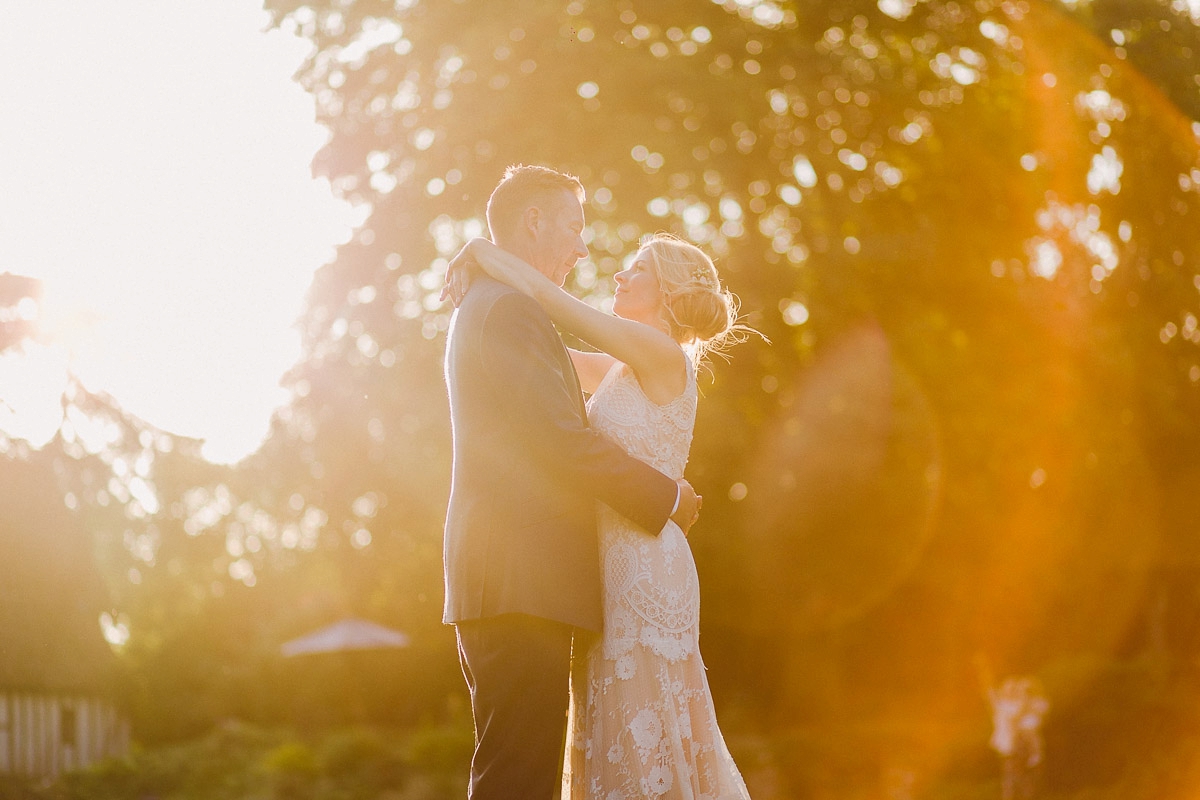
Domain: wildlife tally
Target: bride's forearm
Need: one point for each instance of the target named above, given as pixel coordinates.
(638, 345)
(565, 309)
(634, 343)
(507, 268)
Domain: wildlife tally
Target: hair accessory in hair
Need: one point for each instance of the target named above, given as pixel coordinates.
(702, 277)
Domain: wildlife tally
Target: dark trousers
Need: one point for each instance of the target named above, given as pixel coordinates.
(518, 671)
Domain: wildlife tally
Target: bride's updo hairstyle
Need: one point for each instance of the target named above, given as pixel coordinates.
(699, 312)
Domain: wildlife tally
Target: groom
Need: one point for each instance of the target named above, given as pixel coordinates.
(521, 550)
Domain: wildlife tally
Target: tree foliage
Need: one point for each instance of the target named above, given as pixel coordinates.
(18, 302)
(968, 231)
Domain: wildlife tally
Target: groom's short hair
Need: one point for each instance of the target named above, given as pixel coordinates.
(522, 186)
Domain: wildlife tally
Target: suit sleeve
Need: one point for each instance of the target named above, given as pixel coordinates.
(521, 356)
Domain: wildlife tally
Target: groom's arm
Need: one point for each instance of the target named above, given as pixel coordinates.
(522, 355)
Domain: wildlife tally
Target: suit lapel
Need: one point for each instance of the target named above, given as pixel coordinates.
(573, 381)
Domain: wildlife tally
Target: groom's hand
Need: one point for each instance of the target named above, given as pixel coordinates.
(688, 511)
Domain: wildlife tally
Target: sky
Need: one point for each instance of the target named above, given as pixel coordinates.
(155, 175)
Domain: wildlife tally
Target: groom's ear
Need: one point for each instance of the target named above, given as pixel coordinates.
(531, 220)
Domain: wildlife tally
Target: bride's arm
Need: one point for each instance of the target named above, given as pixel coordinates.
(591, 368)
(653, 355)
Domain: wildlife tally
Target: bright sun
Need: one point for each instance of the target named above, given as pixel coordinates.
(155, 165)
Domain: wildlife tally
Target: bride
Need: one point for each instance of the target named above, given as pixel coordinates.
(642, 722)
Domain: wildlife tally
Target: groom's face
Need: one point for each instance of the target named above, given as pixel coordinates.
(559, 245)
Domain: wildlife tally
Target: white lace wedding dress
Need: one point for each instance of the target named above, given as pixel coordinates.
(642, 723)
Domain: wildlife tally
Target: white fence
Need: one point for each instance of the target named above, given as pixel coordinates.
(45, 735)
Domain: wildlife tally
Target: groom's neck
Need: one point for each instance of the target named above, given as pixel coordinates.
(525, 250)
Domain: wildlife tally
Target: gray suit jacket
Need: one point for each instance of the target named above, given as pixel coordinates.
(521, 526)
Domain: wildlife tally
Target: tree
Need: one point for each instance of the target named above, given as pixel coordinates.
(18, 304)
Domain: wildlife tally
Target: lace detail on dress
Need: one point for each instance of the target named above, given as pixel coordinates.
(642, 718)
(660, 435)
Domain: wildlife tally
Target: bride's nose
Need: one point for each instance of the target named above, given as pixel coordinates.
(621, 277)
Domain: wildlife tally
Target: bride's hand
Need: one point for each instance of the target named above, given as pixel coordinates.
(688, 510)
(458, 275)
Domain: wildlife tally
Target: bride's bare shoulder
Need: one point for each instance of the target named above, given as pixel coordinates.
(665, 378)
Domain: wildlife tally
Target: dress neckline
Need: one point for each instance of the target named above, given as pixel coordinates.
(620, 369)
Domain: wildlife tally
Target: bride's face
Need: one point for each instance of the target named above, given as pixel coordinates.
(638, 296)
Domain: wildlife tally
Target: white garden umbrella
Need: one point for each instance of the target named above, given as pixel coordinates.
(344, 636)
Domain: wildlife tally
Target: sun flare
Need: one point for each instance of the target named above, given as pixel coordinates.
(166, 203)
